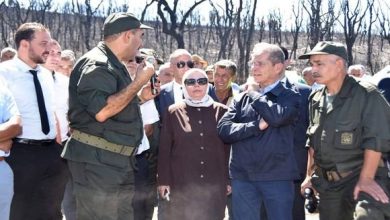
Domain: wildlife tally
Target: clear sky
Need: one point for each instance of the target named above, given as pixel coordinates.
(263, 6)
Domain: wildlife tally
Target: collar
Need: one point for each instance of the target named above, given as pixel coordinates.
(345, 91)
(110, 55)
(270, 87)
(177, 85)
(24, 67)
(346, 88)
(275, 88)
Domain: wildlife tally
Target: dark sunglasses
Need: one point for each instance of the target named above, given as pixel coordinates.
(182, 64)
(200, 81)
(138, 60)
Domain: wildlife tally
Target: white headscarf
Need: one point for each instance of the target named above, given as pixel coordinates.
(206, 101)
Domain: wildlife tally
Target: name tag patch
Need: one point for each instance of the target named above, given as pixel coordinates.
(346, 138)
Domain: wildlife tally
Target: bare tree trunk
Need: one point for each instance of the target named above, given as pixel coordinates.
(351, 24)
(176, 28)
(372, 20)
(248, 40)
(298, 14)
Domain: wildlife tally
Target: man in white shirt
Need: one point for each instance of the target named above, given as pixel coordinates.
(61, 93)
(39, 171)
(61, 84)
(10, 126)
(144, 198)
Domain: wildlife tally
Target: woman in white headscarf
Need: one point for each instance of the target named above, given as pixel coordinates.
(193, 160)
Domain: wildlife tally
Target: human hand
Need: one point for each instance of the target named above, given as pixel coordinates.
(372, 188)
(146, 94)
(144, 72)
(164, 191)
(263, 124)
(307, 184)
(6, 145)
(148, 129)
(228, 190)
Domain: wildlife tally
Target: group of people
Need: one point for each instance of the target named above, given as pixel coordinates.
(106, 140)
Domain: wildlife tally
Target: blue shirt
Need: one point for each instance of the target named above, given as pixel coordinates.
(265, 155)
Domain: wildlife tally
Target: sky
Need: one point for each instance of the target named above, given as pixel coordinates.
(263, 6)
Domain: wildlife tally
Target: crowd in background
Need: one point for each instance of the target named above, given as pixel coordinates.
(96, 138)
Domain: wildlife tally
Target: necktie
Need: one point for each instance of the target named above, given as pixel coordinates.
(41, 103)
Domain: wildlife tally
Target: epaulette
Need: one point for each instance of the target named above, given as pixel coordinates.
(101, 61)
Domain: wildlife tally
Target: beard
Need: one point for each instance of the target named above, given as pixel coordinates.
(38, 59)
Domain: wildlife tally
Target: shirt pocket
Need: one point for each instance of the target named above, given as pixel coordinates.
(347, 135)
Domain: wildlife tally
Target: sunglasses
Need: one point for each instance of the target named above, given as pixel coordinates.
(182, 64)
(200, 81)
(138, 60)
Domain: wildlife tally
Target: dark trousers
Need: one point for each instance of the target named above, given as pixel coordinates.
(229, 206)
(275, 195)
(145, 196)
(299, 202)
(40, 176)
(337, 203)
(103, 192)
(298, 207)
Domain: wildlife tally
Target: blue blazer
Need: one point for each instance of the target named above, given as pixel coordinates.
(262, 155)
(164, 99)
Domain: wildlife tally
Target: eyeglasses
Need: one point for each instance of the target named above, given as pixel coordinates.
(138, 60)
(182, 64)
(200, 81)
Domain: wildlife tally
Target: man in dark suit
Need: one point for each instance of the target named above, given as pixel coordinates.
(180, 61)
(300, 150)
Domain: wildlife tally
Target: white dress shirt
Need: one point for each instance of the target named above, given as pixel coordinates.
(8, 108)
(61, 99)
(149, 116)
(20, 82)
(177, 92)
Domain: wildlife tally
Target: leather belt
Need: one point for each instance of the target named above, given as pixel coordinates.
(2, 158)
(334, 176)
(46, 142)
(101, 143)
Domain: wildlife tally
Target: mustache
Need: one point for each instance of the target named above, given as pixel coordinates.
(315, 74)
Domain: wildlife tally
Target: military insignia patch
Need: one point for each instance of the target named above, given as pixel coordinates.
(346, 138)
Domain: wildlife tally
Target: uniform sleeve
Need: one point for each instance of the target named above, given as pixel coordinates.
(96, 84)
(376, 123)
(165, 151)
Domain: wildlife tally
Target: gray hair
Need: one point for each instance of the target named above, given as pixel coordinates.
(359, 67)
(228, 64)
(275, 54)
(8, 49)
(177, 53)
